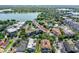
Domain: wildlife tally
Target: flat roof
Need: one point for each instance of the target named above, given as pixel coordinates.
(15, 27)
(31, 43)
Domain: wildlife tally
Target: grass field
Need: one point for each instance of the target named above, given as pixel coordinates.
(9, 45)
(38, 49)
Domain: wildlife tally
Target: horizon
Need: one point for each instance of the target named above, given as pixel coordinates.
(40, 6)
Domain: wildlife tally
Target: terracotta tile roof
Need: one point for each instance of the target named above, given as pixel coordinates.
(45, 43)
(56, 31)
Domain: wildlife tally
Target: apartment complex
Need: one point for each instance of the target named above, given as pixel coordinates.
(71, 23)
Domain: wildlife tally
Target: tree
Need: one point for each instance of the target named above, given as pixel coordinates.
(76, 37)
(1, 35)
(23, 34)
(61, 37)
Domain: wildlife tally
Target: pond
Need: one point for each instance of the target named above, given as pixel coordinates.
(18, 16)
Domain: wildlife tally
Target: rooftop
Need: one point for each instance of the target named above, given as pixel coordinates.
(45, 43)
(31, 43)
(56, 31)
(15, 27)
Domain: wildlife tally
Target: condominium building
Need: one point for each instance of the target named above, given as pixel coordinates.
(31, 45)
(56, 31)
(11, 30)
(67, 31)
(71, 23)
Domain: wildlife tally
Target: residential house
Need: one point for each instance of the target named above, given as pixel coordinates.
(4, 43)
(45, 46)
(61, 47)
(69, 48)
(56, 31)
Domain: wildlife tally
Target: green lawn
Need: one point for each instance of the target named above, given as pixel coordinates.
(9, 45)
(38, 49)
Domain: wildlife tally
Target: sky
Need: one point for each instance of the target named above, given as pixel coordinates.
(39, 2)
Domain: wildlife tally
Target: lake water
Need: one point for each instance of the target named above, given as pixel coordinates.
(18, 16)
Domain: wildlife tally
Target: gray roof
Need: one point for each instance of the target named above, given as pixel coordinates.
(22, 47)
(67, 47)
(77, 44)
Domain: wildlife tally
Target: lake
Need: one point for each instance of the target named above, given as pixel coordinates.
(18, 16)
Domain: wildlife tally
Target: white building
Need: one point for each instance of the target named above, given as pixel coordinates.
(15, 27)
(64, 9)
(74, 13)
(67, 30)
(6, 10)
(31, 43)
